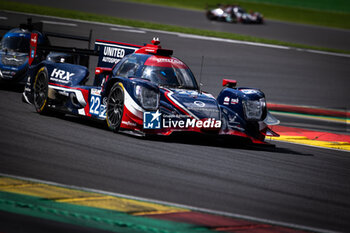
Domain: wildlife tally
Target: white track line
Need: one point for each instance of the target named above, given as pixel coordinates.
(191, 35)
(3, 18)
(59, 23)
(231, 215)
(127, 30)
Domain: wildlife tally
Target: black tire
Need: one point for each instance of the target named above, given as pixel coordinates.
(210, 16)
(115, 107)
(40, 91)
(253, 130)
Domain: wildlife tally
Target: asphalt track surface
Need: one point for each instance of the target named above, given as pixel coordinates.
(290, 183)
(290, 32)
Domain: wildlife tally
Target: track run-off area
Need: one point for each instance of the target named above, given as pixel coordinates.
(286, 188)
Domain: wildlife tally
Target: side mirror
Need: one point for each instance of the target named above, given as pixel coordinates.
(230, 83)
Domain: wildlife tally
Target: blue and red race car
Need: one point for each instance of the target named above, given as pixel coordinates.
(14, 49)
(144, 90)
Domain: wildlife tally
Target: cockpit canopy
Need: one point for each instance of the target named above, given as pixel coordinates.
(163, 71)
(15, 44)
(18, 40)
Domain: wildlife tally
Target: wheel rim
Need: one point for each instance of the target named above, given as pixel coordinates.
(115, 108)
(40, 93)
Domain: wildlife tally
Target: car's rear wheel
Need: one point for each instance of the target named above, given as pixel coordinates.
(115, 107)
(40, 90)
(210, 16)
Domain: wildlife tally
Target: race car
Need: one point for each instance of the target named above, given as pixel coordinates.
(14, 49)
(144, 90)
(234, 14)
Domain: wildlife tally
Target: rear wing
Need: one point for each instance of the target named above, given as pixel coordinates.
(109, 52)
(45, 49)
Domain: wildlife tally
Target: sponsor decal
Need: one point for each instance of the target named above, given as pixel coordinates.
(111, 53)
(61, 76)
(199, 104)
(165, 62)
(249, 91)
(207, 110)
(33, 44)
(12, 59)
(129, 123)
(226, 100)
(234, 101)
(7, 74)
(34, 38)
(110, 60)
(95, 91)
(193, 94)
(155, 120)
(169, 60)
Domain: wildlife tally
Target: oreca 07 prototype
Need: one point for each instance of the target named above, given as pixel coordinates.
(144, 90)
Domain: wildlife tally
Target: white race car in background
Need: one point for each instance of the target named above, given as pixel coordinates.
(234, 14)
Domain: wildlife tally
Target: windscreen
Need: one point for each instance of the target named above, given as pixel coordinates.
(170, 77)
(15, 44)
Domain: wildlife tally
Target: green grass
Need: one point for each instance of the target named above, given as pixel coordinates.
(323, 5)
(21, 7)
(328, 13)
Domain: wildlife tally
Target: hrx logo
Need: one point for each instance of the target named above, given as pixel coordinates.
(152, 120)
(61, 74)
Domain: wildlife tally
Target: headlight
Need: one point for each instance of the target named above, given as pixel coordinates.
(253, 109)
(148, 98)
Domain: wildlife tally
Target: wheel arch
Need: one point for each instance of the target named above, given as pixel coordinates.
(109, 84)
(113, 86)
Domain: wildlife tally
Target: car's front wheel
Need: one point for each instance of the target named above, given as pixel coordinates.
(115, 107)
(40, 90)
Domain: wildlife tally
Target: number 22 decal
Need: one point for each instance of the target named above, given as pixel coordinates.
(95, 102)
(96, 108)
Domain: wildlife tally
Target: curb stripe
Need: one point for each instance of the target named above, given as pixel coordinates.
(341, 146)
(64, 195)
(313, 117)
(313, 138)
(10, 180)
(308, 110)
(89, 217)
